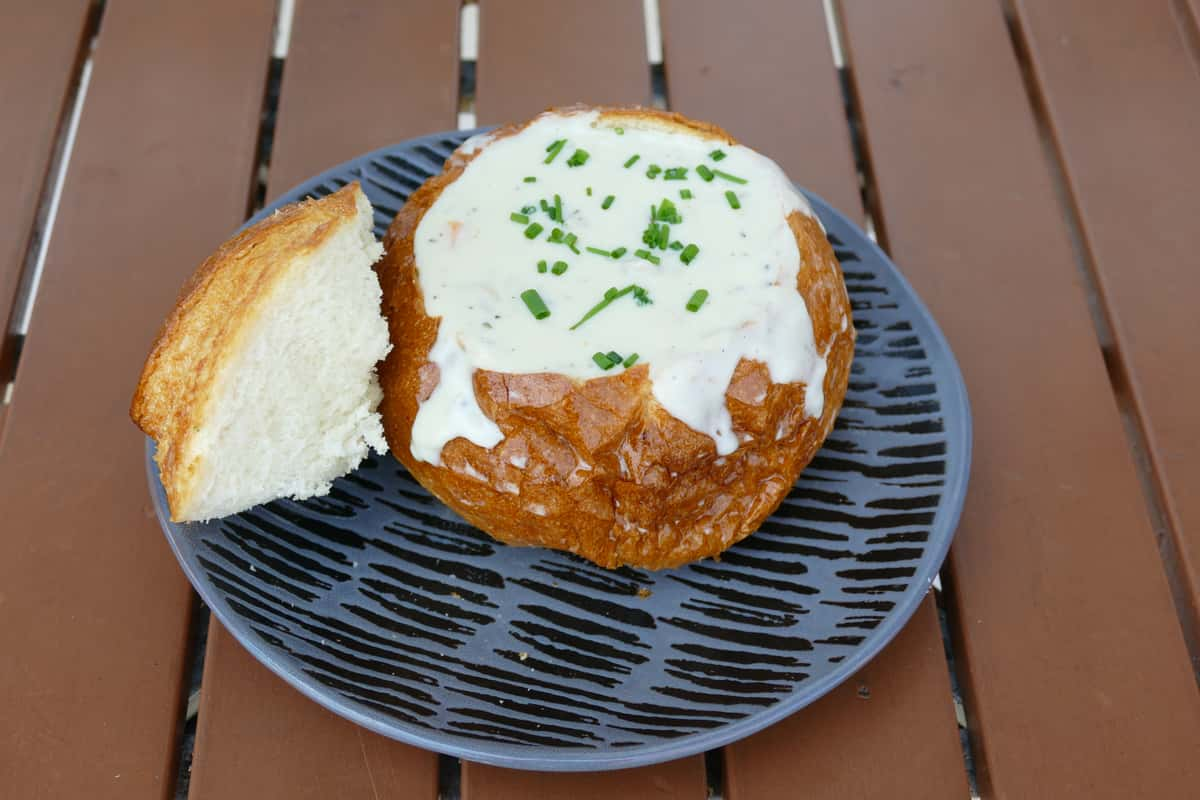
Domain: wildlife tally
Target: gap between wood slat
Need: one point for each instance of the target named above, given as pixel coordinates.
(49, 197)
(1118, 374)
(870, 200)
(468, 63)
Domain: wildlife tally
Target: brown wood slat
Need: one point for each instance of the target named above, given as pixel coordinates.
(805, 130)
(782, 99)
(93, 608)
(539, 53)
(1079, 681)
(675, 780)
(360, 76)
(42, 42)
(1123, 100)
(257, 737)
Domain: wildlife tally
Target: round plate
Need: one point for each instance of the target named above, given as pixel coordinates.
(382, 605)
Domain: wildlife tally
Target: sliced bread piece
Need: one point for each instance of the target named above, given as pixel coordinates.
(261, 383)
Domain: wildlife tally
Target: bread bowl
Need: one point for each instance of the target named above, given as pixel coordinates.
(541, 428)
(261, 383)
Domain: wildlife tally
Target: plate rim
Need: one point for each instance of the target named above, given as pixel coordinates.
(534, 757)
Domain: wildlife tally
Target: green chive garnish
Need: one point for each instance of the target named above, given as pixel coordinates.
(728, 177)
(733, 200)
(639, 294)
(632, 160)
(556, 236)
(528, 209)
(533, 230)
(630, 360)
(545, 205)
(620, 251)
(533, 301)
(666, 212)
(648, 256)
(652, 171)
(542, 267)
(614, 357)
(608, 201)
(571, 240)
(675, 174)
(620, 131)
(558, 217)
(521, 218)
(602, 361)
(559, 267)
(677, 245)
(578, 158)
(598, 251)
(554, 149)
(530, 179)
(697, 300)
(589, 191)
(689, 253)
(717, 155)
(704, 172)
(664, 236)
(686, 194)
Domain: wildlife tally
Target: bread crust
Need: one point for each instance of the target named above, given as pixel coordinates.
(207, 326)
(620, 480)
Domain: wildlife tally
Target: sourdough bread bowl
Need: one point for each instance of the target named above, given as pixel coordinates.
(261, 383)
(617, 332)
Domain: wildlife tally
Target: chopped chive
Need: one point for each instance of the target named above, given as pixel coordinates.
(666, 212)
(717, 155)
(530, 179)
(602, 361)
(704, 172)
(554, 149)
(677, 245)
(675, 174)
(614, 357)
(521, 218)
(728, 177)
(652, 171)
(545, 205)
(528, 209)
(533, 301)
(689, 253)
(558, 209)
(571, 240)
(640, 294)
(559, 267)
(648, 256)
(630, 360)
(697, 299)
(632, 160)
(533, 230)
(664, 236)
(556, 236)
(578, 158)
(620, 251)
(589, 191)
(620, 131)
(608, 201)
(733, 199)
(598, 251)
(686, 194)
(542, 267)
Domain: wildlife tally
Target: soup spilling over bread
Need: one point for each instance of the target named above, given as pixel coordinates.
(616, 332)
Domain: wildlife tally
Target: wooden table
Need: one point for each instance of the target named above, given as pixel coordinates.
(1031, 166)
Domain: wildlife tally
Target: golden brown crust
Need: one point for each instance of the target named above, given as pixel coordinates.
(214, 307)
(619, 479)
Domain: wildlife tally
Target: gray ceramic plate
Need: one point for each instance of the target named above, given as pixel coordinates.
(382, 605)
